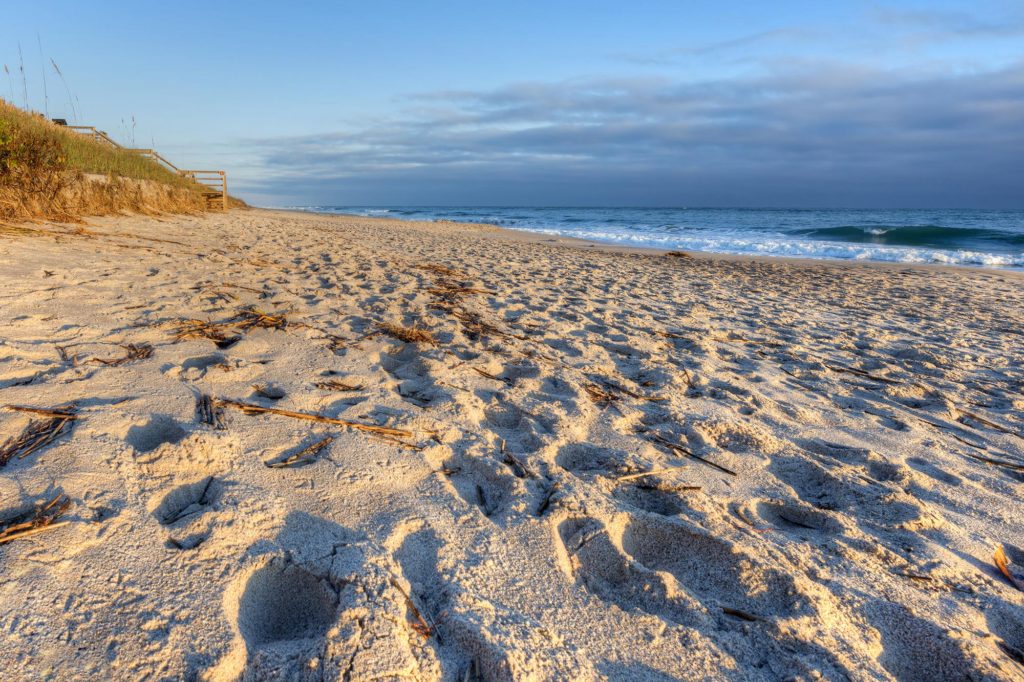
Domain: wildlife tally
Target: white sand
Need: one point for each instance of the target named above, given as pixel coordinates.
(855, 539)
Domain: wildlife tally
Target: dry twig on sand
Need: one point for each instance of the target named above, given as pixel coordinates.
(610, 391)
(861, 373)
(989, 423)
(305, 456)
(494, 377)
(38, 433)
(134, 352)
(518, 466)
(42, 519)
(1014, 466)
(250, 409)
(642, 474)
(338, 385)
(680, 449)
(397, 441)
(417, 621)
(261, 292)
(62, 351)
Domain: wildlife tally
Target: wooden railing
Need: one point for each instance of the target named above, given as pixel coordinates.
(214, 183)
(155, 155)
(95, 134)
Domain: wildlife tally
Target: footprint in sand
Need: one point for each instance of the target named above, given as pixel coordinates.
(283, 602)
(159, 430)
(649, 497)
(919, 650)
(712, 570)
(468, 638)
(799, 520)
(485, 482)
(586, 461)
(590, 555)
(514, 425)
(413, 372)
(187, 501)
(1006, 623)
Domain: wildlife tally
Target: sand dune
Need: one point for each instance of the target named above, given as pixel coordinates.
(559, 461)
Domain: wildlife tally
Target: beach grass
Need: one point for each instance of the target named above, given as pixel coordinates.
(74, 151)
(48, 171)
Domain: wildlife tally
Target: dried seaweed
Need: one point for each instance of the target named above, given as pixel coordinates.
(209, 412)
(1003, 564)
(472, 323)
(38, 433)
(221, 334)
(599, 395)
(407, 334)
(338, 385)
(133, 352)
(251, 317)
(609, 384)
(441, 270)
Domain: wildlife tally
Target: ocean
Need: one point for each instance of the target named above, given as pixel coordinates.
(990, 238)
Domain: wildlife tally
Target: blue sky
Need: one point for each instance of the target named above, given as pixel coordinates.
(721, 103)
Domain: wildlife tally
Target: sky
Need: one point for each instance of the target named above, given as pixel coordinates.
(792, 103)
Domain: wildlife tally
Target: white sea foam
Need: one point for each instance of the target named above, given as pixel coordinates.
(748, 231)
(796, 248)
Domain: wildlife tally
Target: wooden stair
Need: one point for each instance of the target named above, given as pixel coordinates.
(214, 183)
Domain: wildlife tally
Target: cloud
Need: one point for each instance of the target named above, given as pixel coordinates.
(786, 34)
(807, 133)
(946, 23)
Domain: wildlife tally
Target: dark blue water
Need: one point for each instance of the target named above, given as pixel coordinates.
(958, 237)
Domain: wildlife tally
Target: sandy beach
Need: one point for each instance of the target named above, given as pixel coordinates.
(274, 445)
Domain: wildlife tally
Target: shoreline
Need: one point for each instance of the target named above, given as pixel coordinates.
(286, 445)
(540, 237)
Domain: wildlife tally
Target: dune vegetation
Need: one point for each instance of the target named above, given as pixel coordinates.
(50, 172)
